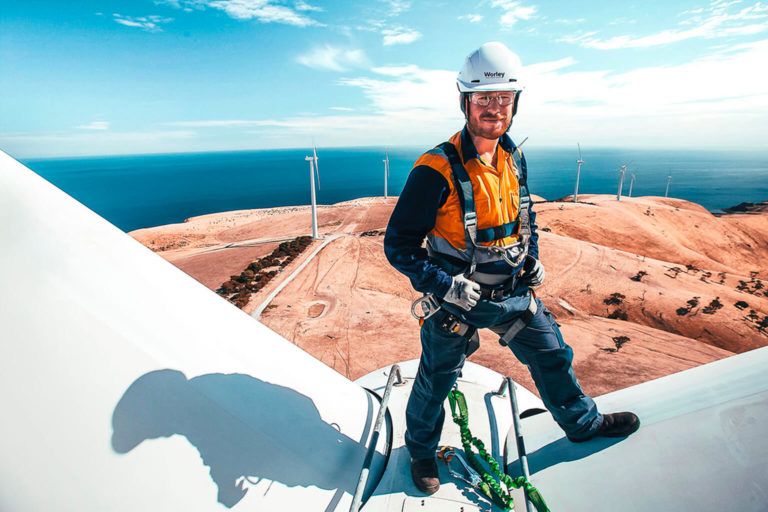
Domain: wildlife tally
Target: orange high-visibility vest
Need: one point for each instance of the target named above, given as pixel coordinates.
(497, 192)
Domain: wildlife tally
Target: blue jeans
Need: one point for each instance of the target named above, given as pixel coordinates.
(539, 345)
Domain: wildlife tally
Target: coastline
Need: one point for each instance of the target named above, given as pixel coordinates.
(747, 207)
(138, 192)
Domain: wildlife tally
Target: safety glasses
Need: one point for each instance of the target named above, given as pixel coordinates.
(484, 99)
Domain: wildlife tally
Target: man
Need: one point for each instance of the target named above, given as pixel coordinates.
(469, 198)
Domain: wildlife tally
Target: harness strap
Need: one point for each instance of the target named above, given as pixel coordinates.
(472, 234)
(497, 232)
(464, 188)
(519, 323)
(525, 202)
(496, 294)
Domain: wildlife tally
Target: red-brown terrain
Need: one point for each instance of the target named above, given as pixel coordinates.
(643, 288)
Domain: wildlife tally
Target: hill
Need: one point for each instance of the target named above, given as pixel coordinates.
(643, 288)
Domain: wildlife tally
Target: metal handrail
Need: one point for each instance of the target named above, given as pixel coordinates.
(502, 389)
(521, 455)
(394, 373)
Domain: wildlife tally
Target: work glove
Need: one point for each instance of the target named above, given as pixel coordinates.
(534, 272)
(463, 292)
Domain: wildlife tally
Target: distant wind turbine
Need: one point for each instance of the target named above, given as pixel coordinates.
(312, 169)
(578, 174)
(669, 180)
(631, 184)
(317, 167)
(622, 172)
(386, 171)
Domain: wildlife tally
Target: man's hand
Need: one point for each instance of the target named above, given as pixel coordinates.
(463, 292)
(534, 272)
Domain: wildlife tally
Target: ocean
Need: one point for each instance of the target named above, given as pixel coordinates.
(149, 190)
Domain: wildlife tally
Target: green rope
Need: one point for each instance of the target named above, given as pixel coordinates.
(490, 486)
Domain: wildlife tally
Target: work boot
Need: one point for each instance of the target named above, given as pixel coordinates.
(616, 424)
(424, 474)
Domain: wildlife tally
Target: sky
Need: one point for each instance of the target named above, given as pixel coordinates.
(163, 76)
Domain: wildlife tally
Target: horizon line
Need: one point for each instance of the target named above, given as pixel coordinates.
(383, 148)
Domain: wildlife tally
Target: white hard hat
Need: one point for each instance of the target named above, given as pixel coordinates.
(492, 67)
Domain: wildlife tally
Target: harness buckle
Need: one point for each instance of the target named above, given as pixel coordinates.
(513, 255)
(454, 325)
(496, 295)
(429, 306)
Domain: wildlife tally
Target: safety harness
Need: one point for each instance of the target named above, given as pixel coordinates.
(513, 254)
(489, 482)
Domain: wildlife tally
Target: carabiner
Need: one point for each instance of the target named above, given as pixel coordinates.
(429, 306)
(446, 454)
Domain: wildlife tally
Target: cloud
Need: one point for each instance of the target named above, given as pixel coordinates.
(397, 7)
(649, 107)
(472, 18)
(102, 142)
(654, 105)
(214, 123)
(712, 22)
(147, 23)
(406, 104)
(698, 10)
(185, 5)
(550, 66)
(304, 6)
(409, 93)
(623, 21)
(391, 35)
(264, 11)
(569, 21)
(396, 70)
(95, 125)
(513, 11)
(409, 89)
(399, 35)
(333, 58)
(396, 129)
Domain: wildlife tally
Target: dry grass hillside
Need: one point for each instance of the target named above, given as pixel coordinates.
(643, 288)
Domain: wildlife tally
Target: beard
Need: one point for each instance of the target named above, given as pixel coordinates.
(488, 126)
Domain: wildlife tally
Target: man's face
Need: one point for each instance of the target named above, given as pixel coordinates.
(491, 121)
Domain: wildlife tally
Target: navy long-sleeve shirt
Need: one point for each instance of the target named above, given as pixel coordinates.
(425, 191)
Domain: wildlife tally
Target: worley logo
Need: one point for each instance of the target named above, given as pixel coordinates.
(494, 74)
